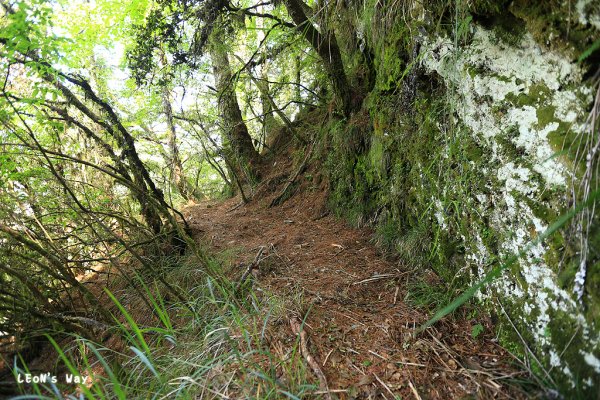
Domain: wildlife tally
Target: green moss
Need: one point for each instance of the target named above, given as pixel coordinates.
(507, 336)
(408, 164)
(564, 336)
(566, 277)
(390, 42)
(378, 157)
(390, 70)
(416, 174)
(536, 95)
(501, 78)
(539, 92)
(508, 29)
(566, 144)
(509, 150)
(546, 21)
(543, 208)
(592, 288)
(545, 116)
(471, 70)
(473, 151)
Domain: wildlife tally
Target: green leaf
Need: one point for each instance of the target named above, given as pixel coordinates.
(476, 331)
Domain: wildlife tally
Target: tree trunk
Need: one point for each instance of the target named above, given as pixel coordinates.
(235, 130)
(267, 97)
(174, 160)
(150, 198)
(175, 165)
(325, 44)
(298, 91)
(269, 122)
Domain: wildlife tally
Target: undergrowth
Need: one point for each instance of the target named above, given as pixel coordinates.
(215, 345)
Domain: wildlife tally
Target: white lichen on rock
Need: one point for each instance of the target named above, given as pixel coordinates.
(534, 141)
(439, 214)
(487, 79)
(584, 17)
(592, 361)
(516, 178)
(507, 71)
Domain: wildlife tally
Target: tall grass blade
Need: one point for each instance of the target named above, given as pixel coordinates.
(141, 342)
(116, 385)
(144, 360)
(158, 304)
(588, 52)
(288, 394)
(84, 389)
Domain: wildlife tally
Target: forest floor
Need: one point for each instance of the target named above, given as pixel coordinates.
(353, 300)
(355, 305)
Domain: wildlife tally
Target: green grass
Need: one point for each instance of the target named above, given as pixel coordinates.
(427, 296)
(216, 345)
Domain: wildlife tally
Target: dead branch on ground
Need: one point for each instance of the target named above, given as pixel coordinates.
(296, 326)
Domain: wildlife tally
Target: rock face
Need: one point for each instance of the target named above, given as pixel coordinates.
(521, 98)
(492, 146)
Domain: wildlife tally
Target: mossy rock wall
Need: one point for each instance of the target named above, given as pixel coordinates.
(467, 148)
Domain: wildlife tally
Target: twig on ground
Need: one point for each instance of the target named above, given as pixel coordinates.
(340, 247)
(409, 363)
(375, 278)
(82, 320)
(331, 391)
(412, 387)
(253, 265)
(236, 207)
(377, 355)
(321, 216)
(384, 385)
(327, 356)
(296, 326)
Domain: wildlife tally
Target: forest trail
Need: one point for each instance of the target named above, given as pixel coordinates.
(358, 322)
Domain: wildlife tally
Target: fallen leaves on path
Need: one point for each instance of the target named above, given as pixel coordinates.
(356, 318)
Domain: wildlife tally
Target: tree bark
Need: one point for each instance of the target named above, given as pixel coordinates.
(175, 164)
(325, 44)
(113, 125)
(265, 96)
(235, 130)
(269, 121)
(173, 159)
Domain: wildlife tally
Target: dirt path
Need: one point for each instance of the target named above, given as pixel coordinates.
(359, 325)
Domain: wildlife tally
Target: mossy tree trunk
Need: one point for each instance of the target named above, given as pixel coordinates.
(175, 165)
(174, 160)
(245, 155)
(325, 44)
(269, 122)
